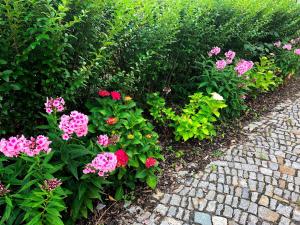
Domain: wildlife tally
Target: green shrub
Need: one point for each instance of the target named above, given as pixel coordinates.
(264, 77)
(196, 119)
(58, 186)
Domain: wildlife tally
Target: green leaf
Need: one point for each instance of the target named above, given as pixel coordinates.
(151, 181)
(141, 174)
(119, 193)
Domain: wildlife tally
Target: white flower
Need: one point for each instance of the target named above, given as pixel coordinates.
(216, 96)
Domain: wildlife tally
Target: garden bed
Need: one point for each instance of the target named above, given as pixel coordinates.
(182, 156)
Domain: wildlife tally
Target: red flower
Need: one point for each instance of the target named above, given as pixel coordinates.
(150, 162)
(112, 120)
(115, 95)
(122, 157)
(103, 93)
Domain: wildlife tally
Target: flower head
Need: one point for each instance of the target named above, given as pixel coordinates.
(115, 95)
(287, 47)
(127, 98)
(243, 66)
(56, 104)
(229, 56)
(112, 120)
(150, 162)
(103, 140)
(297, 51)
(221, 64)
(217, 97)
(114, 139)
(103, 93)
(122, 158)
(103, 163)
(76, 123)
(51, 184)
(214, 51)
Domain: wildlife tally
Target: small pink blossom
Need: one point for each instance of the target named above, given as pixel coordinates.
(76, 123)
(51, 184)
(103, 163)
(229, 56)
(287, 47)
(56, 104)
(221, 64)
(103, 140)
(297, 51)
(214, 51)
(243, 66)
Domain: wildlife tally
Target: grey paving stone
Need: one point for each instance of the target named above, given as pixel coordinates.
(202, 218)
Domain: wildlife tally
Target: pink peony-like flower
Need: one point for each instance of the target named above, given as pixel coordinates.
(76, 123)
(277, 44)
(297, 51)
(115, 95)
(214, 51)
(122, 158)
(103, 163)
(56, 104)
(243, 66)
(287, 47)
(14, 146)
(103, 140)
(221, 64)
(150, 162)
(229, 56)
(103, 93)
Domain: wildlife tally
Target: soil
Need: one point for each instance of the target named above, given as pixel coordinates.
(183, 155)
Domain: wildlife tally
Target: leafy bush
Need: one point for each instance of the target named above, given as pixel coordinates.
(264, 76)
(55, 179)
(74, 47)
(197, 118)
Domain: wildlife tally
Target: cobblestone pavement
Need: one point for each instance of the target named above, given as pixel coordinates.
(257, 181)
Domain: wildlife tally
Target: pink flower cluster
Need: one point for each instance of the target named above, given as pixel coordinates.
(297, 51)
(287, 47)
(103, 140)
(221, 64)
(76, 123)
(14, 146)
(214, 51)
(54, 104)
(229, 56)
(103, 163)
(243, 66)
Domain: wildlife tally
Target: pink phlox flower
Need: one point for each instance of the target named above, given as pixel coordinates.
(243, 66)
(229, 56)
(76, 123)
(103, 163)
(297, 51)
(277, 44)
(214, 51)
(221, 64)
(103, 140)
(287, 47)
(56, 104)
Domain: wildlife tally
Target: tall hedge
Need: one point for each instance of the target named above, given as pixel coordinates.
(70, 48)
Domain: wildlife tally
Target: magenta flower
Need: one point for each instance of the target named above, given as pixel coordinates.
(214, 51)
(220, 64)
(76, 123)
(287, 47)
(103, 163)
(103, 140)
(229, 56)
(297, 51)
(243, 66)
(56, 104)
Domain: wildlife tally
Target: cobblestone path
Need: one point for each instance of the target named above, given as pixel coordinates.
(257, 181)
